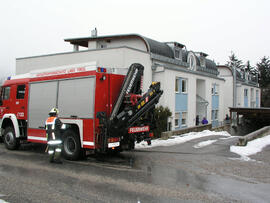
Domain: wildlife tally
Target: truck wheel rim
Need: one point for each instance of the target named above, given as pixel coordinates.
(70, 145)
(9, 138)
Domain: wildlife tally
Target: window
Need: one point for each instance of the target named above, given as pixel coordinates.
(202, 61)
(6, 93)
(177, 85)
(176, 120)
(20, 92)
(177, 53)
(214, 115)
(245, 92)
(184, 86)
(215, 89)
(184, 118)
(192, 62)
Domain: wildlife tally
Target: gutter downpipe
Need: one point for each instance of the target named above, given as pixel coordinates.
(234, 123)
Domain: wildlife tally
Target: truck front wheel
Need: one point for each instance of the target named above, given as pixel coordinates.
(10, 139)
(71, 145)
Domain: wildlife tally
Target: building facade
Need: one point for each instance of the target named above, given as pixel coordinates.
(191, 82)
(241, 88)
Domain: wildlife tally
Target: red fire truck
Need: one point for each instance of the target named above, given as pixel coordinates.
(102, 108)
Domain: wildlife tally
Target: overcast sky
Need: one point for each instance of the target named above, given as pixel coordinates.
(216, 27)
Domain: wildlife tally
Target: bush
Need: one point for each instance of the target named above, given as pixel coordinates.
(161, 115)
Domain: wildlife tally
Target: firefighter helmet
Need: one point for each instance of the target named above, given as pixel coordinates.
(54, 111)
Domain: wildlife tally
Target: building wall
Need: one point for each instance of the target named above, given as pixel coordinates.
(253, 92)
(135, 43)
(251, 100)
(170, 98)
(226, 89)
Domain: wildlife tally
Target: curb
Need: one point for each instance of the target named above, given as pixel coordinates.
(251, 136)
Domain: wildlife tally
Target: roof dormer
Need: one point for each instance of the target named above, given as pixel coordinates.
(202, 56)
(177, 49)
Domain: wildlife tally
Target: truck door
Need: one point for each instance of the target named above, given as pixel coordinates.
(19, 102)
(6, 101)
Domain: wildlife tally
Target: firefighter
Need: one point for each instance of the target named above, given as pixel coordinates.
(54, 138)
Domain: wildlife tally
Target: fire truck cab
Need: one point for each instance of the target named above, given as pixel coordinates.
(101, 108)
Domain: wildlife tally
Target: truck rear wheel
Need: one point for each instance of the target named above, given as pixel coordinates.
(10, 140)
(71, 145)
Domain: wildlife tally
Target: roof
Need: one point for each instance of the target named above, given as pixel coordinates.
(152, 46)
(159, 48)
(83, 41)
(240, 77)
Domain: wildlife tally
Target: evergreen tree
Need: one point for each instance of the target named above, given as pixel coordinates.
(248, 67)
(161, 115)
(263, 68)
(253, 70)
(235, 62)
(264, 72)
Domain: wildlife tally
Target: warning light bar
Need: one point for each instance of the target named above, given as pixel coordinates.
(101, 70)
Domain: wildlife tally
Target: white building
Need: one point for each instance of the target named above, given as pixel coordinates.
(243, 87)
(190, 81)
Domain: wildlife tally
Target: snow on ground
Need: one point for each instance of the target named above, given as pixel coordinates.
(251, 148)
(204, 143)
(2, 201)
(174, 140)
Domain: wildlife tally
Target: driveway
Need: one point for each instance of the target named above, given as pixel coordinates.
(161, 174)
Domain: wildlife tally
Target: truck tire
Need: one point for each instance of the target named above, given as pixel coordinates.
(10, 140)
(71, 145)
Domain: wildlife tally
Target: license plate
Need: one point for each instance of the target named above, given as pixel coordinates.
(114, 144)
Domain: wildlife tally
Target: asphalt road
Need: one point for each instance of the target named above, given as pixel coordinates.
(178, 173)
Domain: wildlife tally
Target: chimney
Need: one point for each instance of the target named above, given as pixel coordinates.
(94, 33)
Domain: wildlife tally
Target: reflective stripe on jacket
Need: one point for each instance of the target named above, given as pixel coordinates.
(53, 128)
(51, 121)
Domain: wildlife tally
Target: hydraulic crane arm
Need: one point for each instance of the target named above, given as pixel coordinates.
(130, 106)
(131, 84)
(146, 103)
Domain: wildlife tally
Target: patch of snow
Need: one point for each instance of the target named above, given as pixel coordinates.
(204, 143)
(180, 139)
(243, 158)
(226, 138)
(252, 147)
(3, 201)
